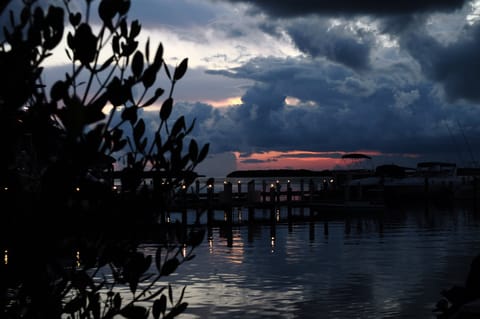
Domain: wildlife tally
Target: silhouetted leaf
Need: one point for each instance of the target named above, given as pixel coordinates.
(190, 128)
(167, 72)
(119, 145)
(73, 305)
(203, 153)
(169, 266)
(116, 44)
(73, 117)
(94, 304)
(166, 109)
(123, 28)
(129, 47)
(24, 15)
(133, 284)
(34, 36)
(84, 44)
(170, 293)
(158, 59)
(153, 99)
(178, 309)
(130, 114)
(178, 126)
(58, 91)
(147, 50)
(159, 307)
(149, 76)
(158, 142)
(12, 21)
(68, 54)
(180, 70)
(117, 301)
(195, 237)
(184, 162)
(106, 11)
(115, 94)
(143, 145)
(106, 64)
(53, 33)
(70, 41)
(134, 312)
(138, 130)
(182, 294)
(94, 111)
(135, 29)
(193, 150)
(75, 18)
(123, 7)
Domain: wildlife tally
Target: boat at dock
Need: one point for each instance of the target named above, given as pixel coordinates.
(443, 180)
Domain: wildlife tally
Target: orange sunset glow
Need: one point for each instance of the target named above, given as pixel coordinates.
(236, 100)
(298, 160)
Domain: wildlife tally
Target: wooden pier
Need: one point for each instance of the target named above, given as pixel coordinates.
(323, 204)
(273, 196)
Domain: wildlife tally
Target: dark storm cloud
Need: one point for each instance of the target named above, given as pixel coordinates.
(384, 110)
(319, 39)
(455, 65)
(289, 8)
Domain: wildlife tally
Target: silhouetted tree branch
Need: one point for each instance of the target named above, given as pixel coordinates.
(60, 144)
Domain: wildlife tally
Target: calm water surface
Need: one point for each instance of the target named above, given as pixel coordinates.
(389, 266)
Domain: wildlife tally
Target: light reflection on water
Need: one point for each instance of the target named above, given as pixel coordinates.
(390, 267)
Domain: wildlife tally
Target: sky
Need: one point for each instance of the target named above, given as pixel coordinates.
(297, 84)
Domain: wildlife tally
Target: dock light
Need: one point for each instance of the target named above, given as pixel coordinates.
(225, 182)
(184, 186)
(272, 243)
(210, 244)
(114, 188)
(5, 257)
(5, 188)
(272, 185)
(184, 250)
(77, 189)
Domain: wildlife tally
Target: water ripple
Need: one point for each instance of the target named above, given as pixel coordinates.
(394, 267)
